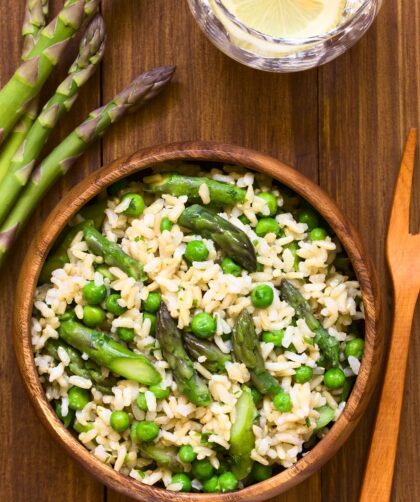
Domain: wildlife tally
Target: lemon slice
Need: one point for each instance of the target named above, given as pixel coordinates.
(288, 18)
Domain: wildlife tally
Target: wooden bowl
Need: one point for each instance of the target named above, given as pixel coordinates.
(107, 175)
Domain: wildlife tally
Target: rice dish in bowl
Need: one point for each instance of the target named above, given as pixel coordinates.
(253, 343)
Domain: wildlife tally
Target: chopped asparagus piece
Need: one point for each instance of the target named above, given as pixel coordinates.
(170, 339)
(328, 345)
(105, 351)
(247, 350)
(178, 185)
(242, 438)
(230, 239)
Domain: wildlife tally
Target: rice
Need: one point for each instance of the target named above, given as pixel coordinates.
(187, 289)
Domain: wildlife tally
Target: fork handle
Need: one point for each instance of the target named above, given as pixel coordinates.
(377, 482)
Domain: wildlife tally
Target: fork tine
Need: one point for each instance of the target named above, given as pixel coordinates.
(399, 223)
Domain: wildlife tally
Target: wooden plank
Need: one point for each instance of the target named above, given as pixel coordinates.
(32, 466)
(368, 99)
(212, 98)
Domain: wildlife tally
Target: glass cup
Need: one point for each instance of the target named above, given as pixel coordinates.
(264, 52)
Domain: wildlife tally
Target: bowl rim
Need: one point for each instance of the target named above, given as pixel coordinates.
(91, 186)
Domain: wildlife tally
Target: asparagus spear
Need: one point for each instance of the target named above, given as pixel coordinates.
(327, 344)
(112, 253)
(215, 358)
(85, 369)
(247, 350)
(29, 78)
(95, 212)
(178, 184)
(35, 20)
(164, 456)
(91, 51)
(242, 438)
(59, 257)
(142, 89)
(233, 241)
(170, 339)
(105, 351)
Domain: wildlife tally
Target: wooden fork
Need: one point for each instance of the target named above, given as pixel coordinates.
(403, 255)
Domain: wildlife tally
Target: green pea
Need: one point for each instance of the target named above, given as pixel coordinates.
(283, 402)
(165, 224)
(141, 401)
(119, 421)
(93, 316)
(159, 392)
(303, 374)
(146, 431)
(256, 395)
(334, 378)
(78, 398)
(126, 334)
(267, 226)
(112, 305)
(355, 348)
(196, 251)
(104, 271)
(68, 419)
(230, 267)
(262, 296)
(152, 303)
(271, 201)
(261, 472)
(228, 482)
(318, 234)
(275, 337)
(152, 319)
(203, 325)
(94, 294)
(202, 469)
(184, 480)
(136, 206)
(309, 217)
(116, 187)
(244, 219)
(187, 454)
(211, 485)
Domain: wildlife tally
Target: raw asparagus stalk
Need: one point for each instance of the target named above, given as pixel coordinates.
(242, 438)
(327, 344)
(230, 239)
(215, 358)
(164, 456)
(91, 51)
(59, 257)
(105, 351)
(79, 367)
(142, 89)
(170, 339)
(178, 184)
(29, 78)
(247, 350)
(112, 253)
(35, 20)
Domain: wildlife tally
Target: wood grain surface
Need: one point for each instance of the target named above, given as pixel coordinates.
(343, 125)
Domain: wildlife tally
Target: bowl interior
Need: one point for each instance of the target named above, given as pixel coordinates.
(250, 159)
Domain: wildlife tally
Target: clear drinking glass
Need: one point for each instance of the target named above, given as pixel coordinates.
(258, 50)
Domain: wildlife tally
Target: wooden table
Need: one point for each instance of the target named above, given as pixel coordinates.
(343, 125)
